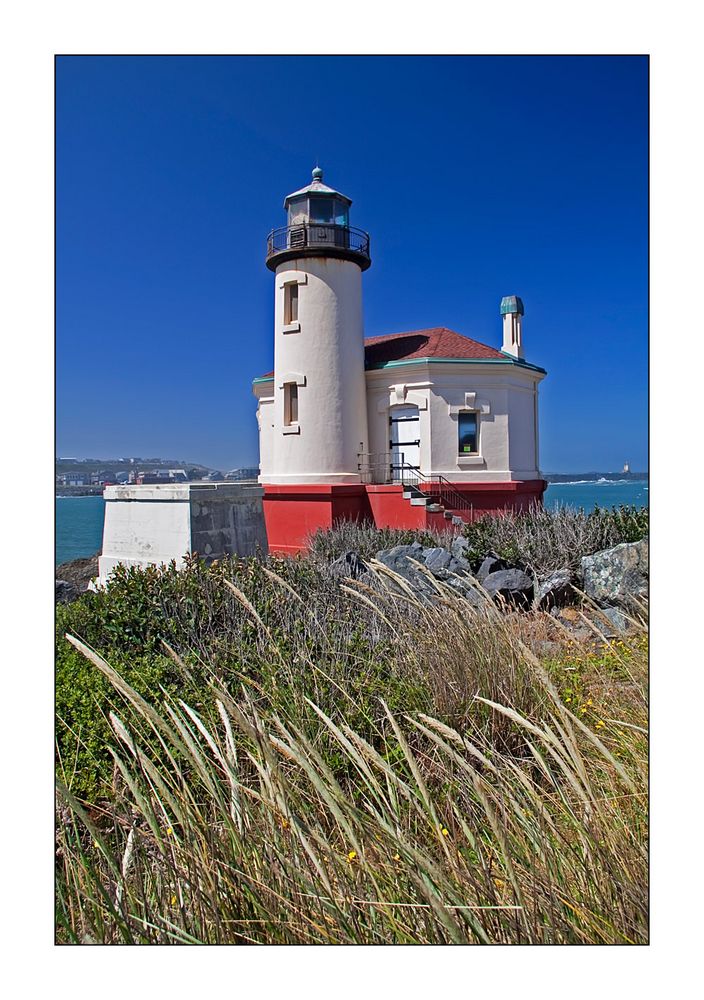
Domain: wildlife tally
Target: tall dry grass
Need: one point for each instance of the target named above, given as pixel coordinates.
(266, 820)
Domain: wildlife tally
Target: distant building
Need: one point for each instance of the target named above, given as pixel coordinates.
(626, 467)
(238, 475)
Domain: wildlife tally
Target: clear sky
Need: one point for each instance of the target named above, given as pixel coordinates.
(477, 177)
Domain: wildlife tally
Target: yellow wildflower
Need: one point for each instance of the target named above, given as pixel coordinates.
(173, 901)
(445, 831)
(352, 855)
(169, 831)
(600, 724)
(499, 883)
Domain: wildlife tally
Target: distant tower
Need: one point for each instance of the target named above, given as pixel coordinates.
(319, 405)
(512, 310)
(626, 467)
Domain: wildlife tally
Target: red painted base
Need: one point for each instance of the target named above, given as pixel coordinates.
(293, 513)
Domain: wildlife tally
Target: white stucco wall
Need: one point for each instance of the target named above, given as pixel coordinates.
(154, 524)
(325, 356)
(264, 391)
(503, 396)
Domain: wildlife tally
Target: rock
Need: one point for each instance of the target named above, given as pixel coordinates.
(398, 559)
(65, 592)
(438, 562)
(466, 590)
(349, 564)
(556, 590)
(460, 548)
(618, 620)
(513, 585)
(618, 574)
(491, 564)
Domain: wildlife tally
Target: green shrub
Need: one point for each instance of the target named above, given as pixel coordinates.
(552, 539)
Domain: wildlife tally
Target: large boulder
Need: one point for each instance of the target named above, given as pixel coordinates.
(616, 575)
(555, 590)
(491, 564)
(513, 585)
(349, 564)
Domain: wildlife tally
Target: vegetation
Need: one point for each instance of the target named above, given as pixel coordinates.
(553, 539)
(252, 752)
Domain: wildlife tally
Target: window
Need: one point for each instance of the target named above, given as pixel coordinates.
(290, 304)
(290, 404)
(322, 210)
(467, 426)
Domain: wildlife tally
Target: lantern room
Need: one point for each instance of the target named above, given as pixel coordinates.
(318, 225)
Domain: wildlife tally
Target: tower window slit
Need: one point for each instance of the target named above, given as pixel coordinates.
(290, 404)
(290, 304)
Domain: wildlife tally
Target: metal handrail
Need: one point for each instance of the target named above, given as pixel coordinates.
(374, 467)
(314, 234)
(434, 486)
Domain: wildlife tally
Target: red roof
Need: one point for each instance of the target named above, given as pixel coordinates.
(437, 342)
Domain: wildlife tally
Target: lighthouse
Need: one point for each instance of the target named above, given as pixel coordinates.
(314, 421)
(421, 429)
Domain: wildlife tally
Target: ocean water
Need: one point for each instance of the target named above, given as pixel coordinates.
(588, 495)
(79, 520)
(79, 527)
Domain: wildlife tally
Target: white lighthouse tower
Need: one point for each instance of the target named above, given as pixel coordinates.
(313, 409)
(319, 419)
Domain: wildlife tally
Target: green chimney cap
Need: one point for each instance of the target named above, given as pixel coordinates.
(512, 304)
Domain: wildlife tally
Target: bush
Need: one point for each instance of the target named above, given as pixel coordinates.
(552, 539)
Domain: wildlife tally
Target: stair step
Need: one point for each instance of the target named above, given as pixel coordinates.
(419, 501)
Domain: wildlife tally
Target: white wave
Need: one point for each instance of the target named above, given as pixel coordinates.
(597, 482)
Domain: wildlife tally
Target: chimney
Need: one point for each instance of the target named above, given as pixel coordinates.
(512, 310)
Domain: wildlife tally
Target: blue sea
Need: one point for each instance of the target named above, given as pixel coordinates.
(79, 520)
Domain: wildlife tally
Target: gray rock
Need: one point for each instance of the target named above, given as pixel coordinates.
(465, 588)
(556, 590)
(491, 564)
(65, 592)
(460, 548)
(438, 561)
(513, 585)
(617, 574)
(618, 621)
(399, 559)
(349, 564)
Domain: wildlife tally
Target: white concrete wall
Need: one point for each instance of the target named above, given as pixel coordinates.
(147, 525)
(503, 396)
(326, 357)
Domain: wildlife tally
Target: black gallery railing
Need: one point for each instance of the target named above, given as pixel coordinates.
(313, 234)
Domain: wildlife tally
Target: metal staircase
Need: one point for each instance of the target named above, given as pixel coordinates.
(435, 493)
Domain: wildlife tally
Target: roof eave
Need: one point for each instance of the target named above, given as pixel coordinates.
(517, 362)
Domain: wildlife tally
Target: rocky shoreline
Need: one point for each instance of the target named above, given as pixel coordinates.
(72, 578)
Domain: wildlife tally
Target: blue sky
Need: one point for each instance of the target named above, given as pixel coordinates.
(477, 177)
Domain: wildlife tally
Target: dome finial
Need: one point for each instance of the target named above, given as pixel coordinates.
(317, 174)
